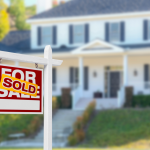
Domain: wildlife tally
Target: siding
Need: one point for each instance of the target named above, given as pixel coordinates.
(133, 32)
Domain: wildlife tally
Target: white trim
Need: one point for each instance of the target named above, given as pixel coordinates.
(88, 17)
(114, 48)
(27, 58)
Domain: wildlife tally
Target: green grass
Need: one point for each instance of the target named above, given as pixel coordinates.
(118, 127)
(10, 124)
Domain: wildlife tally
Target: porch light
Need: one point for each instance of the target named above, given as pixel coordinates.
(94, 74)
(135, 72)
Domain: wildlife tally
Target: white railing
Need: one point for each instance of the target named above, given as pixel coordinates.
(121, 97)
(76, 93)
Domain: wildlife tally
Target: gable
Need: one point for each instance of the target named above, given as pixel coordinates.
(97, 46)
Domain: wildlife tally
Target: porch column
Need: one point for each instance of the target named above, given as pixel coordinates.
(125, 70)
(81, 68)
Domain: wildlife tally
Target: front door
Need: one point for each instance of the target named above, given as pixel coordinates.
(114, 83)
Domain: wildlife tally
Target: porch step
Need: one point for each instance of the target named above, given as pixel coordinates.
(101, 103)
(62, 126)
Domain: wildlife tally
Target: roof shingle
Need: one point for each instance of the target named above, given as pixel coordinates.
(94, 7)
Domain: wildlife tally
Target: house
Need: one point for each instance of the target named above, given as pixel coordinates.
(105, 46)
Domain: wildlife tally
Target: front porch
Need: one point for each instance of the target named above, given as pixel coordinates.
(108, 70)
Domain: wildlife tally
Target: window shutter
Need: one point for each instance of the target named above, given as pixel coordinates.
(86, 33)
(146, 75)
(146, 72)
(71, 74)
(107, 32)
(145, 30)
(86, 78)
(54, 35)
(77, 75)
(122, 31)
(71, 34)
(39, 42)
(54, 75)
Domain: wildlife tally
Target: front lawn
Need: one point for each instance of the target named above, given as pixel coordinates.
(19, 123)
(113, 128)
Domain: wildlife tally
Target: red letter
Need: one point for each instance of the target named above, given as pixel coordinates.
(31, 87)
(23, 88)
(7, 83)
(14, 85)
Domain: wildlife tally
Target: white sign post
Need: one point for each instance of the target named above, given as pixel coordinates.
(48, 62)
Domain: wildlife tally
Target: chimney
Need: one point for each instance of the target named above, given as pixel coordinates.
(43, 5)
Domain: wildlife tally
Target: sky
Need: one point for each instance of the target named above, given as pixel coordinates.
(27, 2)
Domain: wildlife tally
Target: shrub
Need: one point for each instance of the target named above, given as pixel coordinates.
(78, 125)
(141, 101)
(73, 139)
(54, 103)
(80, 135)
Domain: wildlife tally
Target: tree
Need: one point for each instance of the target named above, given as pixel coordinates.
(17, 9)
(2, 5)
(4, 20)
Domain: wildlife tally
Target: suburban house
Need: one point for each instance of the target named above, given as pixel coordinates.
(104, 45)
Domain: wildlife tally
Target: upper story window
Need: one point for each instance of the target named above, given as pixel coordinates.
(114, 32)
(78, 34)
(46, 35)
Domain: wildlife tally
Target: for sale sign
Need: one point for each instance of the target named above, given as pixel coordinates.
(21, 90)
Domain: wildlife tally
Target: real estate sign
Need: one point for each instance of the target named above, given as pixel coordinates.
(21, 90)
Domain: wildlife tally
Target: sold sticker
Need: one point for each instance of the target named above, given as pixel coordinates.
(18, 85)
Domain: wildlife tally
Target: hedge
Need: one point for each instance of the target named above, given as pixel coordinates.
(78, 134)
(141, 101)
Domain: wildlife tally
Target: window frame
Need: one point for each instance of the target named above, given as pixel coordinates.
(74, 42)
(119, 31)
(43, 36)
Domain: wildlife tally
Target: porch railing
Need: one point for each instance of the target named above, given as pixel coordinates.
(121, 97)
(76, 95)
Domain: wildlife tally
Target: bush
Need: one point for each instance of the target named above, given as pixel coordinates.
(141, 101)
(59, 102)
(72, 139)
(54, 103)
(78, 133)
(78, 125)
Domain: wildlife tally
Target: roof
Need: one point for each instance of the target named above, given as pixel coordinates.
(17, 39)
(19, 42)
(94, 7)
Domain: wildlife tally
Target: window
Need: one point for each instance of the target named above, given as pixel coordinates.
(78, 34)
(74, 77)
(114, 32)
(46, 34)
